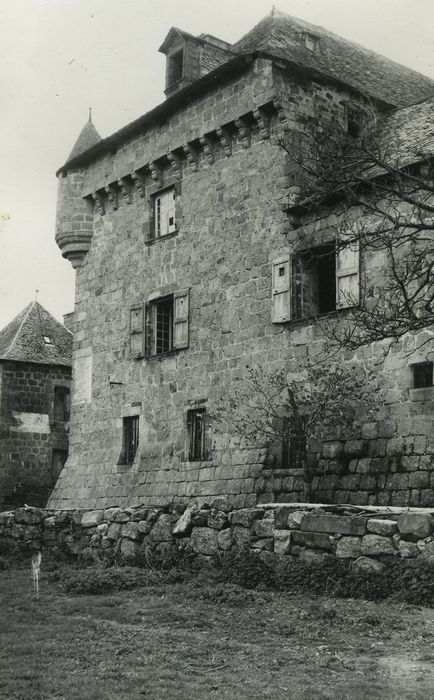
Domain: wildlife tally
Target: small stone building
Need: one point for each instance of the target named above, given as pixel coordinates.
(35, 380)
(179, 230)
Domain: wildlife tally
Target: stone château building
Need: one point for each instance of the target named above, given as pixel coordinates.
(178, 228)
(35, 379)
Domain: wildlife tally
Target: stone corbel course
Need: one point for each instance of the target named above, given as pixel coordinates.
(368, 536)
(222, 136)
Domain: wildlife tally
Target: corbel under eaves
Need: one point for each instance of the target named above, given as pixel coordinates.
(139, 181)
(99, 200)
(112, 196)
(125, 189)
(225, 139)
(175, 162)
(156, 173)
(208, 147)
(191, 155)
(244, 132)
(263, 121)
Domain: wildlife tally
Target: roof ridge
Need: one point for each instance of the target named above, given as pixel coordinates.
(30, 307)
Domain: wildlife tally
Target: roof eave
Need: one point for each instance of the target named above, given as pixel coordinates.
(159, 112)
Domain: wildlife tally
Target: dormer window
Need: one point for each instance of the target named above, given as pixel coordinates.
(47, 340)
(354, 119)
(175, 67)
(311, 42)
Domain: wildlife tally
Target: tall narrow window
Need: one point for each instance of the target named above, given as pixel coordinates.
(58, 459)
(164, 213)
(163, 326)
(175, 66)
(61, 403)
(196, 434)
(130, 439)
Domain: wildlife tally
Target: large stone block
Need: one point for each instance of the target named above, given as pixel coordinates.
(311, 557)
(217, 519)
(225, 539)
(162, 530)
(113, 531)
(265, 527)
(415, 525)
(294, 519)
(204, 540)
(376, 545)
(333, 524)
(382, 527)
(349, 548)
(129, 548)
(92, 518)
(312, 539)
(282, 542)
(131, 531)
(29, 516)
(221, 503)
(245, 517)
(366, 565)
(408, 550)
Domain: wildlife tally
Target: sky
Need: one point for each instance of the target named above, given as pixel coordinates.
(60, 57)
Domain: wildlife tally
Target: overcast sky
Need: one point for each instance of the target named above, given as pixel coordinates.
(59, 57)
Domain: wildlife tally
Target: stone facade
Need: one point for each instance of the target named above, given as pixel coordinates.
(33, 442)
(215, 146)
(35, 380)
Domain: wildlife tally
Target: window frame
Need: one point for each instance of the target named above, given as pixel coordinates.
(179, 323)
(196, 448)
(416, 368)
(130, 439)
(155, 198)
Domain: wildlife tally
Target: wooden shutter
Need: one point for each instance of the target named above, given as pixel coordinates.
(347, 274)
(149, 308)
(171, 211)
(281, 289)
(180, 319)
(136, 331)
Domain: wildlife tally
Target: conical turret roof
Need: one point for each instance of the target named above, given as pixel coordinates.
(34, 335)
(87, 138)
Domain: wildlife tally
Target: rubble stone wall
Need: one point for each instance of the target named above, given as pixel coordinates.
(309, 533)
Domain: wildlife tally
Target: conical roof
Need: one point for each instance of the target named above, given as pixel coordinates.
(87, 138)
(284, 36)
(36, 336)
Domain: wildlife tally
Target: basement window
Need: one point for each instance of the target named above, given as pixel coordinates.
(196, 434)
(130, 439)
(175, 67)
(422, 375)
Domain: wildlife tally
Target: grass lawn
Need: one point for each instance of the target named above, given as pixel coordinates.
(201, 640)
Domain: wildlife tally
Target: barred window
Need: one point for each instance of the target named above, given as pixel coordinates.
(196, 434)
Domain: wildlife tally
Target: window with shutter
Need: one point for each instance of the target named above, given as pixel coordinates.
(165, 213)
(167, 323)
(180, 319)
(281, 289)
(347, 275)
(136, 331)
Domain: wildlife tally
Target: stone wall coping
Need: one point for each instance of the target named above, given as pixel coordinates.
(347, 509)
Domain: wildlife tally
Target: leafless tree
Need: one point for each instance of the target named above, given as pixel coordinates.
(378, 176)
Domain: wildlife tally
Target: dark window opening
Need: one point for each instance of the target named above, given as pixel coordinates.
(61, 403)
(314, 282)
(422, 375)
(327, 281)
(58, 459)
(196, 434)
(353, 123)
(175, 67)
(163, 325)
(130, 439)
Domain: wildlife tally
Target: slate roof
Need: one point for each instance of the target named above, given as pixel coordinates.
(87, 138)
(407, 134)
(22, 340)
(282, 36)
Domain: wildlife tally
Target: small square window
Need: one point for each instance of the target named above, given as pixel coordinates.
(422, 375)
(164, 213)
(130, 439)
(196, 434)
(311, 42)
(47, 340)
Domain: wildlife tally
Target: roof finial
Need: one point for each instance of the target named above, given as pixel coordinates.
(36, 294)
(90, 114)
(273, 10)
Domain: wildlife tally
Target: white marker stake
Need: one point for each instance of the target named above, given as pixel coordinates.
(36, 567)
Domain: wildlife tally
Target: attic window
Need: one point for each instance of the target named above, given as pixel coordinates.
(47, 340)
(311, 42)
(175, 67)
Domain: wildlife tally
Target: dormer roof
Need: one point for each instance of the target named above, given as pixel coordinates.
(34, 335)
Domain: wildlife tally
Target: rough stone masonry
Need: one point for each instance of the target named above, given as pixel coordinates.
(176, 225)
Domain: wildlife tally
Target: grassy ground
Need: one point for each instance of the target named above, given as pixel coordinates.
(201, 640)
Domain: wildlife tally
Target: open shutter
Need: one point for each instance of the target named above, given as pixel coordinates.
(347, 275)
(171, 211)
(180, 319)
(281, 289)
(136, 331)
(149, 328)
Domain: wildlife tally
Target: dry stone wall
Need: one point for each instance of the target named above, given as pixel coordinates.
(305, 532)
